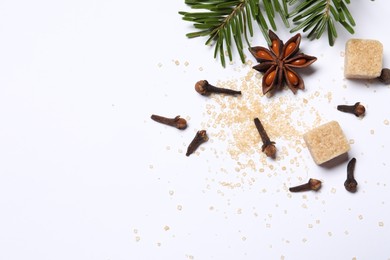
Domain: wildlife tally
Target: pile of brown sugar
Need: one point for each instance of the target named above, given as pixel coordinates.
(231, 120)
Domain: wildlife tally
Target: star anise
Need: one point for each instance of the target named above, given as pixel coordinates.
(279, 63)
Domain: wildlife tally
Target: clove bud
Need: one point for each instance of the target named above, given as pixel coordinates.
(385, 76)
(357, 109)
(268, 146)
(312, 184)
(350, 183)
(178, 122)
(204, 88)
(200, 137)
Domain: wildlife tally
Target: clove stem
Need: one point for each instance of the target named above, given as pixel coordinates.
(178, 122)
(357, 109)
(312, 184)
(268, 146)
(350, 183)
(385, 76)
(200, 137)
(204, 88)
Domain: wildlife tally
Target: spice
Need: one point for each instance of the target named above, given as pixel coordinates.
(385, 76)
(357, 109)
(268, 146)
(204, 88)
(200, 137)
(278, 63)
(178, 122)
(312, 184)
(350, 183)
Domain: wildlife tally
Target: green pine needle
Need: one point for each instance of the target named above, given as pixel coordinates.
(227, 24)
(329, 11)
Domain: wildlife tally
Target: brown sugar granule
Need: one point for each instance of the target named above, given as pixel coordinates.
(231, 121)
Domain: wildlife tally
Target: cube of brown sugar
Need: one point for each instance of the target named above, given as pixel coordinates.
(363, 59)
(326, 142)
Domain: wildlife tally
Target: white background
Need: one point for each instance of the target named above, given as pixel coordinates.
(85, 173)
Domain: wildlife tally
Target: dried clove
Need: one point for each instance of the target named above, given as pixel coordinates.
(312, 184)
(204, 88)
(350, 183)
(178, 122)
(200, 137)
(268, 146)
(385, 76)
(357, 109)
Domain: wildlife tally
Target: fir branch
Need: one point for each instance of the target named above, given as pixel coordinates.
(228, 23)
(320, 15)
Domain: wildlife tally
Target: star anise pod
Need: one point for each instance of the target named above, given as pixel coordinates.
(279, 63)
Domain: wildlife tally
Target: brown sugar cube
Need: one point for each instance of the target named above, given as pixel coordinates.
(326, 142)
(363, 59)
